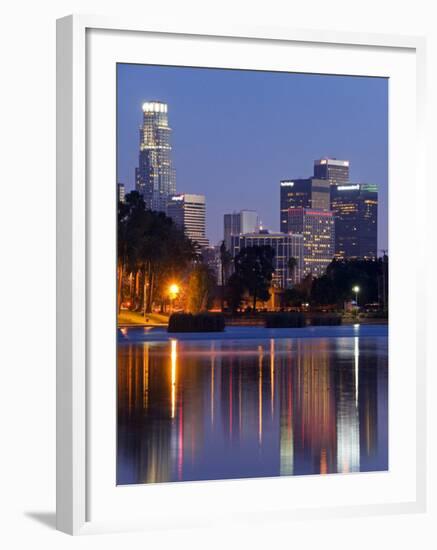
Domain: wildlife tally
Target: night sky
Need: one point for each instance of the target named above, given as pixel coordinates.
(236, 134)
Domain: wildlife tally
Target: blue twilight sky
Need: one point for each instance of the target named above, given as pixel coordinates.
(236, 134)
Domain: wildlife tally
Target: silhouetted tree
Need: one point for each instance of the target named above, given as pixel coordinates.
(234, 292)
(151, 247)
(225, 264)
(201, 283)
(254, 269)
(335, 287)
(292, 264)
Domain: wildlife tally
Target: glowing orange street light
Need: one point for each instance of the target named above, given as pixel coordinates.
(173, 291)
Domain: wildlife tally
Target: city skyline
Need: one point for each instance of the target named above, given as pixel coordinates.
(252, 182)
(244, 349)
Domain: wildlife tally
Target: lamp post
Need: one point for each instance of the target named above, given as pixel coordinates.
(173, 291)
(356, 289)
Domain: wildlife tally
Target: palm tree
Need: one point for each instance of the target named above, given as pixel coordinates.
(292, 264)
(225, 262)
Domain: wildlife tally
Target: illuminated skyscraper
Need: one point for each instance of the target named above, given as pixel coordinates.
(355, 208)
(334, 170)
(303, 193)
(317, 228)
(188, 212)
(155, 175)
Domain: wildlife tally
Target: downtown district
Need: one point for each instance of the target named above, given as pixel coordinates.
(323, 216)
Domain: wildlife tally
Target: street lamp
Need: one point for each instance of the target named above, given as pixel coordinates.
(173, 291)
(356, 289)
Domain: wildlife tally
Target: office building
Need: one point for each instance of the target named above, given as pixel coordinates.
(188, 212)
(334, 170)
(155, 175)
(312, 193)
(121, 192)
(237, 223)
(355, 208)
(317, 228)
(285, 248)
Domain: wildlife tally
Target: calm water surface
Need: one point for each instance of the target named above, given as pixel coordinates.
(265, 406)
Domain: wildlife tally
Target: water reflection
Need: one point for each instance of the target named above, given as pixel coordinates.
(190, 410)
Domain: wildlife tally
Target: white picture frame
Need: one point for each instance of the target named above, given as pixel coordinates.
(74, 290)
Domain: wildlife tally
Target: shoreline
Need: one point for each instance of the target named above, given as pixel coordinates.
(159, 334)
(256, 324)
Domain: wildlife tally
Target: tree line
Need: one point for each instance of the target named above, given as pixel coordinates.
(153, 252)
(335, 286)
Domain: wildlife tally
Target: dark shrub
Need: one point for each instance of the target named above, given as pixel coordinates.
(200, 322)
(326, 320)
(376, 315)
(285, 320)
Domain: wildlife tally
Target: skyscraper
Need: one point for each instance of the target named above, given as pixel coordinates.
(317, 228)
(237, 223)
(334, 170)
(355, 208)
(155, 175)
(285, 247)
(189, 213)
(309, 193)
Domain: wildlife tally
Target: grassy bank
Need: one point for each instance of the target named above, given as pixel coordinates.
(133, 318)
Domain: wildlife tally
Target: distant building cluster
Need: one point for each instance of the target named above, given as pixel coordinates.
(322, 217)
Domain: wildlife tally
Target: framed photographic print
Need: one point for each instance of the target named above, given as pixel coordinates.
(234, 208)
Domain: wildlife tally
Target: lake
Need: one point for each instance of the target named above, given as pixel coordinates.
(251, 402)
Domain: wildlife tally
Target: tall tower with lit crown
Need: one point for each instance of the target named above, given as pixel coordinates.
(155, 176)
(334, 170)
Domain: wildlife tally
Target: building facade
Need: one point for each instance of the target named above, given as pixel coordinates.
(121, 192)
(155, 176)
(188, 212)
(237, 223)
(312, 193)
(317, 229)
(334, 170)
(355, 208)
(285, 247)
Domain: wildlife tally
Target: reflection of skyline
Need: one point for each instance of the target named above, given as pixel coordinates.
(206, 410)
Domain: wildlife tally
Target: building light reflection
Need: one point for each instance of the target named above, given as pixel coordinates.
(146, 375)
(212, 383)
(357, 358)
(174, 356)
(260, 393)
(272, 374)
